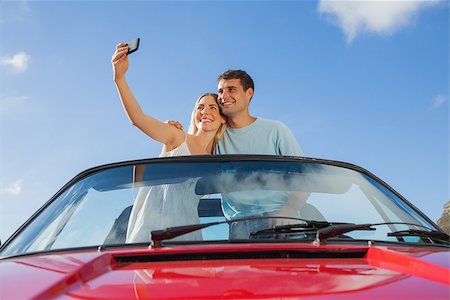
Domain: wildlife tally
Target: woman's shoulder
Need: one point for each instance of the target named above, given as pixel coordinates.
(178, 139)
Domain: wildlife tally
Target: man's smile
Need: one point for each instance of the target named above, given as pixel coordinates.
(225, 103)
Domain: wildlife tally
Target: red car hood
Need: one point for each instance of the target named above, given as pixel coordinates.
(251, 271)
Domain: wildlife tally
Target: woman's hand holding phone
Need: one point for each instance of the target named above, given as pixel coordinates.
(120, 57)
(119, 61)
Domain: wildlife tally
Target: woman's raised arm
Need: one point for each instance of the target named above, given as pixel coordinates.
(157, 130)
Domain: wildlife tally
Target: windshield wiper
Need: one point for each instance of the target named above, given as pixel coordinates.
(335, 230)
(308, 225)
(422, 233)
(164, 234)
(324, 229)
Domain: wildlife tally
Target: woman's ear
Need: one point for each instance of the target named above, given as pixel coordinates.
(224, 120)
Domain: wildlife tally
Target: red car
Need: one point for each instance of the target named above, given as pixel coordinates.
(226, 227)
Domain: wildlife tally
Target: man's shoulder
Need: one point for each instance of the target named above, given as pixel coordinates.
(271, 123)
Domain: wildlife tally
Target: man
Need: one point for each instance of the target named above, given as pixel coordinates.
(250, 135)
(247, 134)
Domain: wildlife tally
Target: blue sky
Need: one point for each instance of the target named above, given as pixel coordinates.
(361, 82)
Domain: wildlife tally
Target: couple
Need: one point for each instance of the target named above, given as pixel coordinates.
(220, 123)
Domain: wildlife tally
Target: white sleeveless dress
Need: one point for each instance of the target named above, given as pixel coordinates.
(167, 205)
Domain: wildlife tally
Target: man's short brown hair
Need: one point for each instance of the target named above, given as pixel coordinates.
(244, 78)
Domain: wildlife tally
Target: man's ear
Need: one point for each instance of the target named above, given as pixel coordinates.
(249, 93)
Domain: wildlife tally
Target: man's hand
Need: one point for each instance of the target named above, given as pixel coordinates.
(290, 209)
(175, 124)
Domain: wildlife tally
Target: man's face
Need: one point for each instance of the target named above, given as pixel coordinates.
(232, 97)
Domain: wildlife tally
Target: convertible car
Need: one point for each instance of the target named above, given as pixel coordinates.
(226, 227)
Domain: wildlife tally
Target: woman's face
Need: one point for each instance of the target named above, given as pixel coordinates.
(207, 114)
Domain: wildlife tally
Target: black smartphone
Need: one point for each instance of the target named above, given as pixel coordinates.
(133, 45)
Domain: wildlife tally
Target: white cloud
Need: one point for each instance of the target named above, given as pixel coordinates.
(18, 62)
(4, 100)
(383, 17)
(14, 188)
(10, 104)
(438, 101)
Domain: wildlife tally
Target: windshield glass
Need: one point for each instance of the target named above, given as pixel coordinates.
(122, 205)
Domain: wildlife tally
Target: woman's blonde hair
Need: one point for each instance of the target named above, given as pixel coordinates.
(220, 131)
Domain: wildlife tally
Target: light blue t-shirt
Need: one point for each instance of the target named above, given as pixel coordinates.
(261, 137)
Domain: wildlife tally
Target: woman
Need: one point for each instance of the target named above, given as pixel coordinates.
(207, 122)
(157, 207)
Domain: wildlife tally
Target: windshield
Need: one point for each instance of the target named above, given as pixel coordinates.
(123, 204)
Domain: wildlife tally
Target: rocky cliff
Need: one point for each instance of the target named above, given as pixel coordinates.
(444, 221)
